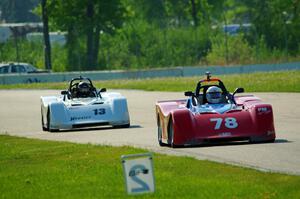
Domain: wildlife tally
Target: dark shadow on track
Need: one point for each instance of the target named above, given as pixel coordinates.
(100, 128)
(282, 141)
(231, 143)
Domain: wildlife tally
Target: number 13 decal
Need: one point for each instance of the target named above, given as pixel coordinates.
(230, 122)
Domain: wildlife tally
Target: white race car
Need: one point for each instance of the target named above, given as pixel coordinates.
(82, 105)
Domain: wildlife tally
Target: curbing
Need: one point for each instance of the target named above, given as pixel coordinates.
(185, 71)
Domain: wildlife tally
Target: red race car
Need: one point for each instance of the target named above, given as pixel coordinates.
(212, 114)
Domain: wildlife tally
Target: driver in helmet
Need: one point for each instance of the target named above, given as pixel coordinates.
(214, 95)
(84, 89)
(216, 101)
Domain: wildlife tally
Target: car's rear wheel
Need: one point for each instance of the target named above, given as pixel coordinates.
(49, 121)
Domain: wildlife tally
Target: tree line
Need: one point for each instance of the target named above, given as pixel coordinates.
(156, 33)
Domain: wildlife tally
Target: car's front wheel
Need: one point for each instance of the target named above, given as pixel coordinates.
(171, 134)
(159, 132)
(49, 121)
(43, 123)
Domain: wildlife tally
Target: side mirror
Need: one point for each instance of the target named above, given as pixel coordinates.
(238, 90)
(102, 90)
(64, 92)
(188, 93)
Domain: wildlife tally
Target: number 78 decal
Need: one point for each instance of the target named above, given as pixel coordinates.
(230, 122)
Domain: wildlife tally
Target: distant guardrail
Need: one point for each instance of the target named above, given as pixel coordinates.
(185, 71)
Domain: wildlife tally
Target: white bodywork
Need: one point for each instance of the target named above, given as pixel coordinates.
(110, 109)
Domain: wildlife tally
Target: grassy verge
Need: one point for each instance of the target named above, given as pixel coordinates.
(287, 81)
(47, 169)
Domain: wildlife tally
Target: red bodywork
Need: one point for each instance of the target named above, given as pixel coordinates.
(180, 126)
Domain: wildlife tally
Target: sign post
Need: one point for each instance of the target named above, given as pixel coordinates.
(138, 172)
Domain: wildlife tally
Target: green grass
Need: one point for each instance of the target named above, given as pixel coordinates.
(287, 81)
(46, 169)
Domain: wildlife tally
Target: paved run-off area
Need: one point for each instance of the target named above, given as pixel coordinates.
(20, 115)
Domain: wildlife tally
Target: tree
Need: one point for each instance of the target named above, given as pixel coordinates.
(47, 49)
(100, 16)
(188, 12)
(152, 11)
(90, 35)
(194, 13)
(277, 21)
(16, 11)
(85, 20)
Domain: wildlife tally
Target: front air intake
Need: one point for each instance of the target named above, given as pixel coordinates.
(90, 124)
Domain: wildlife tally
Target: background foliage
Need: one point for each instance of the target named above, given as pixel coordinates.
(133, 34)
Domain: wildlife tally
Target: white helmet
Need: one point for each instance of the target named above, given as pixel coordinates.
(214, 95)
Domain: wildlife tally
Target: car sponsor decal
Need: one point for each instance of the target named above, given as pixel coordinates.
(74, 118)
(263, 110)
(225, 134)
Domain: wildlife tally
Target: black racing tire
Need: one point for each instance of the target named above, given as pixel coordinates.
(48, 122)
(43, 124)
(159, 132)
(171, 134)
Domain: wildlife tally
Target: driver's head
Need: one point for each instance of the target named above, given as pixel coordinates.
(84, 87)
(214, 95)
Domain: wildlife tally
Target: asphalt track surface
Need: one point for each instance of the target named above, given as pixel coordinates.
(20, 116)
